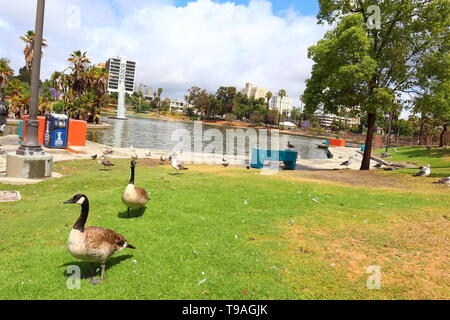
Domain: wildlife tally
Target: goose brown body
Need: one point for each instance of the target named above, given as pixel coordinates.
(96, 244)
(93, 244)
(134, 197)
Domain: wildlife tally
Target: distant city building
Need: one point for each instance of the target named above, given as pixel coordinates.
(178, 106)
(254, 92)
(285, 105)
(121, 68)
(145, 90)
(326, 120)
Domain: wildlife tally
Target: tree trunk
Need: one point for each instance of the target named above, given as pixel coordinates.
(441, 139)
(372, 117)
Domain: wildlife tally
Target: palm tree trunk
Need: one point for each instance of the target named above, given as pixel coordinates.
(372, 117)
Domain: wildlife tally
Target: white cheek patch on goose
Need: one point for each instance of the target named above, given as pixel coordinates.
(81, 201)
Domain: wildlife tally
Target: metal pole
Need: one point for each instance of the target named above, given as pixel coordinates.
(31, 145)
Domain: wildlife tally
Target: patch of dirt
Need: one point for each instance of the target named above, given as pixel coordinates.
(69, 169)
(413, 255)
(150, 163)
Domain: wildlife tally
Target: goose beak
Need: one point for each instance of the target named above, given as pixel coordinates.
(68, 202)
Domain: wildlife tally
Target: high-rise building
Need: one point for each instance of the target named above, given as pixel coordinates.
(145, 90)
(254, 92)
(121, 69)
(285, 105)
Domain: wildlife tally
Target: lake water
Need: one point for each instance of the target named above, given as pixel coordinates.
(176, 136)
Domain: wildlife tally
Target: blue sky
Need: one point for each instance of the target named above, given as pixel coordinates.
(305, 7)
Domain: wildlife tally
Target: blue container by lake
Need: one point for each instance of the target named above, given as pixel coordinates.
(288, 157)
(20, 130)
(363, 148)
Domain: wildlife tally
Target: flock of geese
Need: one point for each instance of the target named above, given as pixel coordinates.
(97, 245)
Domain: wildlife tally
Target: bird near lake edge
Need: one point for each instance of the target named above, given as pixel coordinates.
(93, 244)
(177, 166)
(445, 181)
(105, 162)
(134, 197)
(424, 172)
(348, 163)
(290, 146)
(94, 157)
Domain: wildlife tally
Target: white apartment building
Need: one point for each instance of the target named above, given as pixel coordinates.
(326, 120)
(254, 92)
(178, 106)
(121, 69)
(285, 105)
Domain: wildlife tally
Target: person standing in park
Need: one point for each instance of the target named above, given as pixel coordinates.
(3, 116)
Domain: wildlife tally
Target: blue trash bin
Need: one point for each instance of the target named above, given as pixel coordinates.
(363, 148)
(56, 131)
(288, 157)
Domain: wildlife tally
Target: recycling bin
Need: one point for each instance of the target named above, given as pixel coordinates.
(56, 131)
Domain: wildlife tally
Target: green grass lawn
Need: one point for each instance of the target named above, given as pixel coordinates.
(439, 158)
(250, 236)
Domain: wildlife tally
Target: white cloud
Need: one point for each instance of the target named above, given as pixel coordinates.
(204, 43)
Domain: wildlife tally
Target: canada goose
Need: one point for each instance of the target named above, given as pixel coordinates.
(177, 166)
(148, 153)
(225, 163)
(106, 163)
(93, 244)
(134, 197)
(348, 163)
(290, 146)
(424, 172)
(164, 157)
(94, 157)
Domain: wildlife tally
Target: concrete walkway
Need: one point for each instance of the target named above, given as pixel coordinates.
(11, 143)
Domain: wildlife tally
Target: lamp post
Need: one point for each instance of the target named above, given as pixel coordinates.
(31, 145)
(30, 161)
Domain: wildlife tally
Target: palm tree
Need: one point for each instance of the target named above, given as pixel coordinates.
(269, 96)
(5, 72)
(78, 81)
(160, 91)
(29, 48)
(282, 93)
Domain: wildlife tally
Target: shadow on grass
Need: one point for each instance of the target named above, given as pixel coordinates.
(85, 267)
(433, 153)
(137, 213)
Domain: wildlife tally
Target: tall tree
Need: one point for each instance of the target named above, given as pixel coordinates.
(28, 38)
(269, 96)
(282, 94)
(6, 73)
(369, 59)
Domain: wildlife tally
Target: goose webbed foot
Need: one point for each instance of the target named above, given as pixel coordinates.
(98, 281)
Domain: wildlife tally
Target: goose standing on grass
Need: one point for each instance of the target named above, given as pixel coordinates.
(177, 166)
(424, 172)
(93, 244)
(94, 157)
(348, 163)
(225, 163)
(134, 197)
(445, 181)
